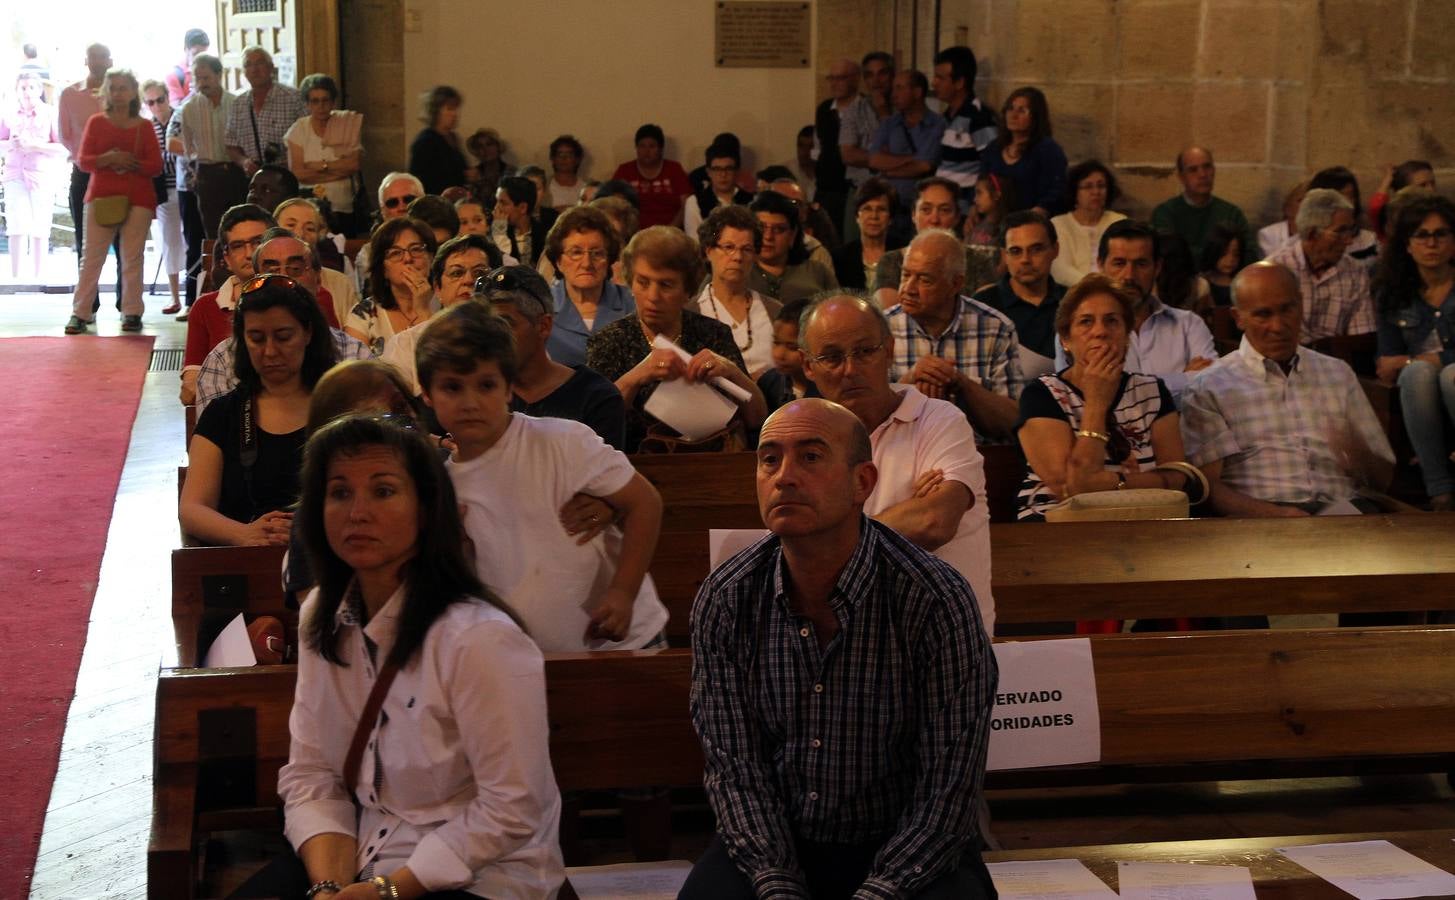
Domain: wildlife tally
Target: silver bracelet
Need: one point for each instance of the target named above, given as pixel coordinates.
(321, 886)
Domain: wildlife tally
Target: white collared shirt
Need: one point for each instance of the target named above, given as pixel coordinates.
(466, 799)
(923, 434)
(1282, 438)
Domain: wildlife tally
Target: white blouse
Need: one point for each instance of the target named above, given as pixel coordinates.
(466, 797)
(1078, 245)
(753, 335)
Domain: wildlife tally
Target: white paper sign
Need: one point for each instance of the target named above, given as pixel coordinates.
(1183, 881)
(1373, 870)
(722, 543)
(630, 881)
(1047, 879)
(1045, 712)
(232, 647)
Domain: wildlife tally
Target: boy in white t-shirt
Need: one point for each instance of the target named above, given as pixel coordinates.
(515, 476)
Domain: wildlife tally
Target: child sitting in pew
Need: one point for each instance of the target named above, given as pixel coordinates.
(577, 584)
(785, 381)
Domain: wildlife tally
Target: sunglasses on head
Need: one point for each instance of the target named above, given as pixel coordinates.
(509, 285)
(263, 279)
(396, 202)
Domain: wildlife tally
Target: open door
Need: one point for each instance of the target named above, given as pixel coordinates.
(301, 40)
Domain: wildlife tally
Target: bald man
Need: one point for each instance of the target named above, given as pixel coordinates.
(950, 346)
(1279, 429)
(931, 485)
(1195, 212)
(835, 645)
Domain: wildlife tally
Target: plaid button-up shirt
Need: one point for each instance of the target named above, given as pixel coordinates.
(1282, 438)
(881, 737)
(281, 108)
(1335, 301)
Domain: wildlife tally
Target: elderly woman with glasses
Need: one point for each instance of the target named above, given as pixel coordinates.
(400, 293)
(324, 149)
(245, 455)
(662, 265)
(583, 246)
(729, 238)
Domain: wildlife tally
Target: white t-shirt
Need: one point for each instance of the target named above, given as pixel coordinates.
(340, 193)
(757, 326)
(513, 494)
(923, 434)
(563, 195)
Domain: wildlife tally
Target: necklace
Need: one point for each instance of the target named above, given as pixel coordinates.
(747, 318)
(649, 334)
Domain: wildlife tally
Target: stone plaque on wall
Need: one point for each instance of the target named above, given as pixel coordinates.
(762, 34)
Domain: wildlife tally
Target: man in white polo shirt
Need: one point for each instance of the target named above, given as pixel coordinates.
(931, 486)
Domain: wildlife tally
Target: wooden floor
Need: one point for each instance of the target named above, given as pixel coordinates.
(96, 827)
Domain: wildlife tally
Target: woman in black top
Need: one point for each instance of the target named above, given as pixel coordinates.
(243, 463)
(663, 265)
(435, 157)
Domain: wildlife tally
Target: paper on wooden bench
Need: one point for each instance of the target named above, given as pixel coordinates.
(232, 647)
(1372, 870)
(1046, 711)
(630, 881)
(696, 411)
(1183, 881)
(1047, 879)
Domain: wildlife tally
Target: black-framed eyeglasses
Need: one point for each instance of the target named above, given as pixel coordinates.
(395, 254)
(396, 202)
(249, 244)
(835, 359)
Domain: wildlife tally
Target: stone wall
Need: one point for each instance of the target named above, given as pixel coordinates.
(1276, 88)
(371, 46)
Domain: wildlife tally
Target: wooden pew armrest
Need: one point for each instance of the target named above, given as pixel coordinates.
(169, 848)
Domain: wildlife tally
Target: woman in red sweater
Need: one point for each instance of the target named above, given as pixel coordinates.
(120, 151)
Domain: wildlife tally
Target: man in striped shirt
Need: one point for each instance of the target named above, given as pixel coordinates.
(971, 126)
(1279, 429)
(1335, 286)
(842, 686)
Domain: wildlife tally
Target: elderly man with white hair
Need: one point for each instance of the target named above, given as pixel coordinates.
(396, 192)
(950, 346)
(1335, 287)
(261, 116)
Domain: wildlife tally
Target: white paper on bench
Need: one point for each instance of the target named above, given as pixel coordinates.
(1026, 731)
(1183, 881)
(1372, 870)
(232, 647)
(1047, 879)
(630, 881)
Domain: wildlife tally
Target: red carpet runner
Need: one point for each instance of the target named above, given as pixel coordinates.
(68, 405)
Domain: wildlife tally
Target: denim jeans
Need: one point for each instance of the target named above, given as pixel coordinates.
(1427, 398)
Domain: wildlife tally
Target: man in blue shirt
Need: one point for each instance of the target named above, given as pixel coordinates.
(907, 145)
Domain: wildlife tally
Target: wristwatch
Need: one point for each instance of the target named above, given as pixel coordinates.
(386, 887)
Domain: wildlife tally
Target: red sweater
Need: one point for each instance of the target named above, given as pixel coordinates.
(101, 136)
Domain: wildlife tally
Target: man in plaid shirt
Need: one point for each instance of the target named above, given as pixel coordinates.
(1335, 286)
(1279, 429)
(950, 346)
(259, 117)
(842, 684)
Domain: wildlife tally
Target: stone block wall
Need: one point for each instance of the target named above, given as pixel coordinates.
(371, 46)
(1276, 88)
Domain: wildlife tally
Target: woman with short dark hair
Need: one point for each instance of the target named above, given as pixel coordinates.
(1025, 153)
(400, 295)
(784, 270)
(243, 462)
(324, 150)
(434, 156)
(583, 245)
(564, 187)
(856, 264)
(729, 239)
(1091, 189)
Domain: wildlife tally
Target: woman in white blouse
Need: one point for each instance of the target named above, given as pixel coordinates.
(446, 789)
(1092, 189)
(729, 238)
(324, 149)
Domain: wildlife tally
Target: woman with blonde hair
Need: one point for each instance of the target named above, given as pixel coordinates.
(120, 152)
(31, 149)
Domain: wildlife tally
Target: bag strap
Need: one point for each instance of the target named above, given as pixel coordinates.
(355, 759)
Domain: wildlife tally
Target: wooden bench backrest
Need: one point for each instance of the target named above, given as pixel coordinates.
(210, 585)
(1208, 567)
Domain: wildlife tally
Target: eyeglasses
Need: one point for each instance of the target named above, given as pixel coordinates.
(156, 101)
(395, 254)
(1348, 232)
(735, 249)
(835, 359)
(576, 254)
(249, 244)
(1432, 237)
(293, 267)
(263, 279)
(396, 202)
(455, 273)
(722, 170)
